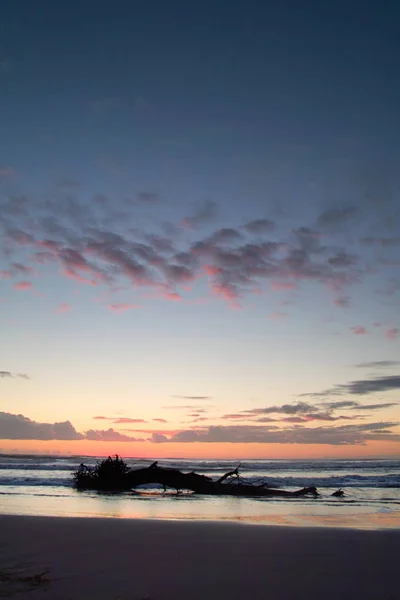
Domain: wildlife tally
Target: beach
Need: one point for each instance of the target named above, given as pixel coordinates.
(127, 559)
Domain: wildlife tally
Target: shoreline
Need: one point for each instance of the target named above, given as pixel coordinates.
(121, 559)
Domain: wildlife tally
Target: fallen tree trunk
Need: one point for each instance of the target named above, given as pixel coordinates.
(114, 475)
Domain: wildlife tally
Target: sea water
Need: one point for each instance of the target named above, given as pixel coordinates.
(43, 485)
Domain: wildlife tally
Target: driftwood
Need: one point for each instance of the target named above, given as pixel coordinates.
(113, 474)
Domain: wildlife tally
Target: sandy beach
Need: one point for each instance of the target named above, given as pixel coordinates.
(117, 559)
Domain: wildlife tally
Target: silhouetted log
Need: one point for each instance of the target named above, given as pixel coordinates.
(200, 484)
(229, 474)
(114, 475)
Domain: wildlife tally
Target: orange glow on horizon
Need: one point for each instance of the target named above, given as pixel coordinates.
(201, 450)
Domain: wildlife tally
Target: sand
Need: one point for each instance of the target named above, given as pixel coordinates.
(118, 559)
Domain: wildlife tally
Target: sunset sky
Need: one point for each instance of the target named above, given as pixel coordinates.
(200, 228)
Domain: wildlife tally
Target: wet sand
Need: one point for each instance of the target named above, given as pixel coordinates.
(123, 559)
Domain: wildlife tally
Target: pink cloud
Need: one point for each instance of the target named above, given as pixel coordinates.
(121, 306)
(392, 334)
(227, 292)
(279, 286)
(23, 285)
(128, 420)
(168, 294)
(342, 302)
(63, 307)
(5, 274)
(212, 270)
(278, 315)
(74, 275)
(359, 330)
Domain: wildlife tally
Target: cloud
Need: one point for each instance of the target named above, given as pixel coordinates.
(8, 374)
(342, 259)
(303, 412)
(108, 435)
(148, 197)
(279, 286)
(119, 420)
(336, 217)
(18, 427)
(63, 307)
(360, 387)
(158, 438)
(359, 330)
(5, 374)
(259, 226)
(352, 405)
(101, 244)
(121, 306)
(23, 285)
(377, 364)
(381, 241)
(297, 434)
(160, 420)
(277, 315)
(204, 215)
(342, 302)
(128, 420)
(392, 334)
(286, 409)
(225, 235)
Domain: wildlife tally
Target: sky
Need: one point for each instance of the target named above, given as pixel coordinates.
(200, 228)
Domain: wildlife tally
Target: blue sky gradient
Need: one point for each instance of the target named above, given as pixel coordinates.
(199, 200)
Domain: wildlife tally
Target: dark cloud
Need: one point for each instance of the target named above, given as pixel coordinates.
(204, 215)
(342, 259)
(192, 397)
(378, 364)
(285, 409)
(259, 226)
(18, 427)
(108, 435)
(304, 412)
(336, 217)
(360, 387)
(160, 421)
(148, 197)
(96, 243)
(119, 420)
(158, 438)
(381, 241)
(225, 235)
(9, 375)
(337, 435)
(5, 374)
(342, 302)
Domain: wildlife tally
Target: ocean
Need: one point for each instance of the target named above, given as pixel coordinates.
(43, 485)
